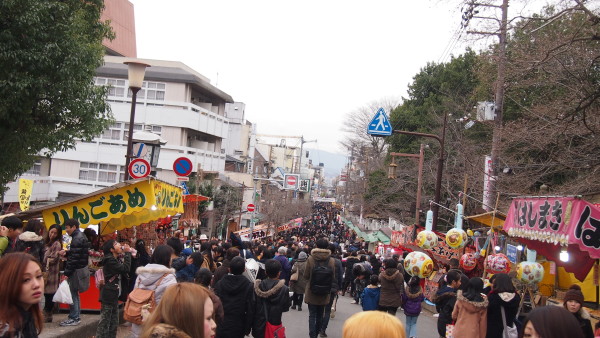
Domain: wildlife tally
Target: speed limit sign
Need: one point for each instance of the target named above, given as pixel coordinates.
(139, 168)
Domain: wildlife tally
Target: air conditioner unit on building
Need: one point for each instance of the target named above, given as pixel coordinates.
(486, 111)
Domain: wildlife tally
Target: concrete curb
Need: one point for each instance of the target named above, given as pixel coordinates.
(87, 328)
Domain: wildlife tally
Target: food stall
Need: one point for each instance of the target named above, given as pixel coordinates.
(564, 230)
(121, 206)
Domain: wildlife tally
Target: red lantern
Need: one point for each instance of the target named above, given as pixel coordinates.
(497, 263)
(468, 262)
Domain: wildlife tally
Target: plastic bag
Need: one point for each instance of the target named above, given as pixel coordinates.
(63, 294)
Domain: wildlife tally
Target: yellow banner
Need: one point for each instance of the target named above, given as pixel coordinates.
(135, 204)
(25, 189)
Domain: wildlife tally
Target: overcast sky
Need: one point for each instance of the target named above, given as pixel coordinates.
(300, 67)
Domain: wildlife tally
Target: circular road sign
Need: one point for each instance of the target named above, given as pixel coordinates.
(291, 180)
(182, 166)
(251, 207)
(139, 168)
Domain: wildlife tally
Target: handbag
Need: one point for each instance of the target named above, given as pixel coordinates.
(509, 332)
(294, 277)
(45, 273)
(272, 331)
(63, 294)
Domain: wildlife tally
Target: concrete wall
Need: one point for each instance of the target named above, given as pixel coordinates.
(122, 20)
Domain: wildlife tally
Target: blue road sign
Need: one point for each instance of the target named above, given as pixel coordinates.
(182, 166)
(380, 125)
(185, 188)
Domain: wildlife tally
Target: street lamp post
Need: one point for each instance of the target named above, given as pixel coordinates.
(440, 167)
(136, 72)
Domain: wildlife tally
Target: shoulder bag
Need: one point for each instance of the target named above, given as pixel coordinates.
(509, 332)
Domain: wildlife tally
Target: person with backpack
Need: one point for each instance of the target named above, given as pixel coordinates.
(320, 273)
(271, 299)
(112, 268)
(156, 276)
(337, 285)
(411, 303)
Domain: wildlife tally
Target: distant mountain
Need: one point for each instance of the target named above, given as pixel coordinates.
(333, 162)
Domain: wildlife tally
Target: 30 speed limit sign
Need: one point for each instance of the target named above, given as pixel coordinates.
(139, 168)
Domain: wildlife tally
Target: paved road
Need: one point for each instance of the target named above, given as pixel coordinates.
(296, 322)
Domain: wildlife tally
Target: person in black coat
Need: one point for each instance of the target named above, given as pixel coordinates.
(236, 293)
(76, 269)
(445, 299)
(573, 302)
(113, 268)
(502, 295)
(271, 295)
(348, 275)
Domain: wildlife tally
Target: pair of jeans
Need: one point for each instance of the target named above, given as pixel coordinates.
(411, 326)
(315, 319)
(109, 320)
(327, 313)
(75, 308)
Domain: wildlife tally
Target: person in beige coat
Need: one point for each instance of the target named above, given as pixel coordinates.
(470, 311)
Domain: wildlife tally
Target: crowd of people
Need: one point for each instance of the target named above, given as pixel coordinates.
(234, 288)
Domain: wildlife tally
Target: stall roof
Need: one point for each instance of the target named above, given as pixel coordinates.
(493, 219)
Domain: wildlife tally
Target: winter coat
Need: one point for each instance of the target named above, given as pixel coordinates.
(148, 277)
(236, 293)
(444, 300)
(320, 255)
(470, 317)
(221, 272)
(285, 267)
(350, 261)
(187, 274)
(31, 243)
(510, 301)
(27, 329)
(273, 294)
(300, 285)
(338, 281)
(392, 288)
(167, 331)
(370, 298)
(178, 263)
(583, 318)
(411, 302)
(112, 267)
(52, 261)
(78, 253)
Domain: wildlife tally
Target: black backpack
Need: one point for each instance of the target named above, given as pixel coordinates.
(321, 278)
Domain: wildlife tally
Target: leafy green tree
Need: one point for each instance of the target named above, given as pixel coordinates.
(49, 53)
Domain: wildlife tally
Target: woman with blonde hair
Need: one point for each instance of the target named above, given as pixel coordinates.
(373, 324)
(22, 289)
(178, 312)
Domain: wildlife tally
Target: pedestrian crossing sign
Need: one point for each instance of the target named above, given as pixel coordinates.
(380, 124)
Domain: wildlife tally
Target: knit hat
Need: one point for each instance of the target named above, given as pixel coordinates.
(302, 255)
(574, 293)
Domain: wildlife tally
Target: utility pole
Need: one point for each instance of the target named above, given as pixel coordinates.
(488, 198)
(421, 157)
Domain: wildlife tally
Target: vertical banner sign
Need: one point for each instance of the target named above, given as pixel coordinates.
(25, 189)
(511, 253)
(488, 179)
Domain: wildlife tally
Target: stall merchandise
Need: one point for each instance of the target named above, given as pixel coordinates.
(116, 208)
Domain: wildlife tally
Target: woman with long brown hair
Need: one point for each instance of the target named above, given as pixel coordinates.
(51, 264)
(20, 295)
(178, 312)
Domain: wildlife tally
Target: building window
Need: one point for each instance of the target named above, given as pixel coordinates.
(118, 87)
(35, 169)
(136, 127)
(99, 172)
(113, 132)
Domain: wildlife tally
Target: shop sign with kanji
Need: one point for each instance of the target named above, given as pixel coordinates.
(563, 221)
(135, 204)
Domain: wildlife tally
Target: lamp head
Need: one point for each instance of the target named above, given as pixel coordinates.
(136, 72)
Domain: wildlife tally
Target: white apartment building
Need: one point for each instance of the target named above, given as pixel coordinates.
(176, 103)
